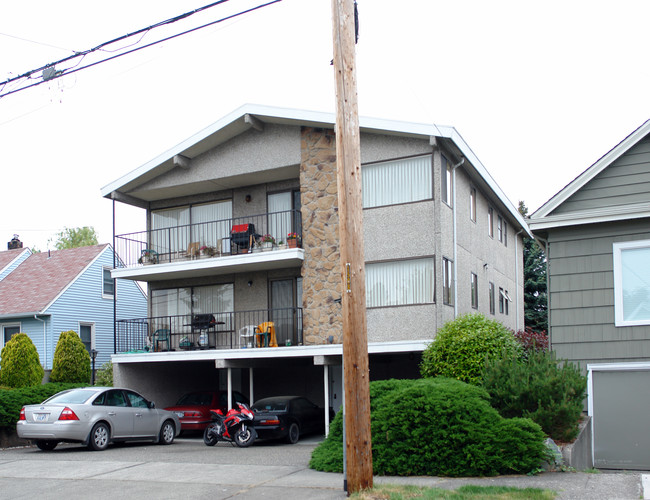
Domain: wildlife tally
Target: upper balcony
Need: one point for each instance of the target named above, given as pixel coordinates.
(243, 244)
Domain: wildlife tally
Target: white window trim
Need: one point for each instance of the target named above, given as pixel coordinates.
(105, 295)
(619, 320)
(9, 325)
(91, 324)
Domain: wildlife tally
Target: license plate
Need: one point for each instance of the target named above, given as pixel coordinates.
(180, 414)
(40, 417)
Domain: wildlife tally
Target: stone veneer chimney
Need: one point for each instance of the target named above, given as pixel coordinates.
(321, 283)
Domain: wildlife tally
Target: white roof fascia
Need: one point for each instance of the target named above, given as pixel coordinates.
(269, 353)
(74, 280)
(577, 183)
(15, 259)
(366, 124)
(609, 214)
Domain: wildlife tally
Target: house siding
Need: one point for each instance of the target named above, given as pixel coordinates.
(625, 182)
(581, 294)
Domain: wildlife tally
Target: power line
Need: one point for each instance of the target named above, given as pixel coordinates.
(37, 43)
(49, 72)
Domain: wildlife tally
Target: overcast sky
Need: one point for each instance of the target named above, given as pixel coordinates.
(539, 90)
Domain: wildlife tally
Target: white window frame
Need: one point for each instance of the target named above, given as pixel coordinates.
(104, 294)
(447, 181)
(490, 216)
(9, 325)
(618, 249)
(447, 281)
(491, 293)
(92, 332)
(472, 204)
(474, 289)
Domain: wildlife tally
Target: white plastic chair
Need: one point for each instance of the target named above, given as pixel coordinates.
(246, 334)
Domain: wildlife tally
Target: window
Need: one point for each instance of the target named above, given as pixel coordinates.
(447, 281)
(399, 181)
(86, 335)
(490, 222)
(8, 331)
(505, 233)
(108, 285)
(447, 181)
(474, 290)
(501, 300)
(400, 283)
(500, 228)
(631, 283)
(492, 299)
(504, 298)
(472, 204)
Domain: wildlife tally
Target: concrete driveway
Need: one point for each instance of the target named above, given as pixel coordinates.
(189, 469)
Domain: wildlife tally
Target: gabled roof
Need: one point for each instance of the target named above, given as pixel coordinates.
(38, 281)
(543, 218)
(8, 257)
(251, 115)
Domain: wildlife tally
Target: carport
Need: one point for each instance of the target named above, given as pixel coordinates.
(311, 371)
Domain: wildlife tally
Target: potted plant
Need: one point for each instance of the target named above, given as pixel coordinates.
(208, 251)
(267, 242)
(281, 244)
(292, 240)
(148, 256)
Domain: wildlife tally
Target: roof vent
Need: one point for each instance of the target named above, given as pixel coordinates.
(14, 243)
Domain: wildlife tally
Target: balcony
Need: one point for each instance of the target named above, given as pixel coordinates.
(230, 330)
(252, 243)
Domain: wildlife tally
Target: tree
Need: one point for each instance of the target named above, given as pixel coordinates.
(71, 361)
(20, 365)
(76, 237)
(535, 294)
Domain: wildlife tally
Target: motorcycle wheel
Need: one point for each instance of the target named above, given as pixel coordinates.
(244, 436)
(209, 435)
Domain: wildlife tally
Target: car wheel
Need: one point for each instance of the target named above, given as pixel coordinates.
(99, 437)
(167, 432)
(294, 433)
(46, 445)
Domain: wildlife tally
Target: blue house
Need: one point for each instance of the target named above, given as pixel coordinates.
(44, 294)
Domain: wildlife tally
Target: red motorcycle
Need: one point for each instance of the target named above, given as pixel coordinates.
(236, 426)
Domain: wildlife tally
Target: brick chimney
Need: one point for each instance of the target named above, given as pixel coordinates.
(14, 243)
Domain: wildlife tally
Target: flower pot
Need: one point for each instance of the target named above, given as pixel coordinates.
(292, 243)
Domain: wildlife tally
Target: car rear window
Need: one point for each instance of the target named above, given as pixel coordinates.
(75, 396)
(270, 406)
(196, 398)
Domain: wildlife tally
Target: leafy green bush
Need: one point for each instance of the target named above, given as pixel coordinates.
(541, 388)
(71, 361)
(104, 376)
(438, 426)
(12, 400)
(20, 365)
(462, 346)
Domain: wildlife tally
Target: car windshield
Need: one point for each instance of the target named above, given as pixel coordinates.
(75, 396)
(196, 398)
(270, 405)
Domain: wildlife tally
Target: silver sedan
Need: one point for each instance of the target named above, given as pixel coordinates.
(96, 416)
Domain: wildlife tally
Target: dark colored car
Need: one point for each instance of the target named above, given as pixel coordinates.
(193, 409)
(287, 417)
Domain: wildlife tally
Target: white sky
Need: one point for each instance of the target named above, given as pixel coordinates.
(539, 90)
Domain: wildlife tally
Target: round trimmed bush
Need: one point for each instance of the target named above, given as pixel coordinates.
(462, 346)
(71, 361)
(20, 365)
(438, 427)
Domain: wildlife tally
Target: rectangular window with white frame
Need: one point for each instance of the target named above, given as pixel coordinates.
(492, 298)
(631, 283)
(501, 300)
(87, 335)
(394, 182)
(8, 330)
(108, 284)
(447, 281)
(490, 222)
(474, 290)
(500, 228)
(446, 176)
(401, 282)
(472, 204)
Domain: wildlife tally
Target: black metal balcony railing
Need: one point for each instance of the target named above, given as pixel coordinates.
(211, 239)
(229, 330)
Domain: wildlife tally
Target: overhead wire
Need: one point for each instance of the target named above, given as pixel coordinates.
(69, 71)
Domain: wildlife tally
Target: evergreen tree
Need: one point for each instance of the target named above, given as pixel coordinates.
(535, 297)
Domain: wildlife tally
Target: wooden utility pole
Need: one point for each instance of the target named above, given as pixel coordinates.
(357, 444)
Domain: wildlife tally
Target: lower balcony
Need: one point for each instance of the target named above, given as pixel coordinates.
(231, 330)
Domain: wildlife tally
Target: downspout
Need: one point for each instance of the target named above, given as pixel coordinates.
(453, 182)
(114, 288)
(44, 338)
(517, 304)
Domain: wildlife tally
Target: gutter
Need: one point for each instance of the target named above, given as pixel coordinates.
(453, 181)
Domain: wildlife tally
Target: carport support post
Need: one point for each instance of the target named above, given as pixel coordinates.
(355, 338)
(326, 379)
(250, 384)
(229, 388)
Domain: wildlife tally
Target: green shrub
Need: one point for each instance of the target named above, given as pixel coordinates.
(71, 361)
(438, 427)
(541, 388)
(20, 365)
(462, 346)
(104, 376)
(12, 400)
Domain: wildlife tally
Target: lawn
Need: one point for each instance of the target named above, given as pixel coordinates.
(468, 492)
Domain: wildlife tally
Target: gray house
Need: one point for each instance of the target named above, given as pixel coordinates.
(597, 237)
(242, 263)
